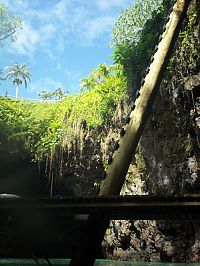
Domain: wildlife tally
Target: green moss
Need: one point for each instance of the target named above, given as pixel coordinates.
(185, 59)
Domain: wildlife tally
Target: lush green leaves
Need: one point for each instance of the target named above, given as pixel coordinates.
(57, 94)
(18, 74)
(25, 122)
(136, 33)
(42, 126)
(8, 24)
(128, 28)
(97, 76)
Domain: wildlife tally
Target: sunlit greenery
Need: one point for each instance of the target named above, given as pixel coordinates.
(18, 74)
(136, 33)
(56, 94)
(41, 126)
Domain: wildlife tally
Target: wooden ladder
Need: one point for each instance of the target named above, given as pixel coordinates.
(92, 237)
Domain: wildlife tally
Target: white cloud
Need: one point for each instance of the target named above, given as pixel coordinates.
(46, 31)
(110, 4)
(60, 44)
(44, 84)
(68, 72)
(50, 54)
(96, 28)
(74, 76)
(60, 9)
(27, 40)
(66, 22)
(19, 3)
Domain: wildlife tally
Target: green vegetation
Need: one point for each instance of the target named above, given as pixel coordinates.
(136, 33)
(57, 94)
(8, 24)
(18, 74)
(42, 126)
(186, 58)
(23, 121)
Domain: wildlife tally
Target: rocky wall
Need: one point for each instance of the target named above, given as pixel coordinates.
(167, 161)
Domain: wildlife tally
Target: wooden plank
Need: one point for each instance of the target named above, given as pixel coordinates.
(129, 207)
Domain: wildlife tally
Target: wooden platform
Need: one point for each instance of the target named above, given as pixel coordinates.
(123, 207)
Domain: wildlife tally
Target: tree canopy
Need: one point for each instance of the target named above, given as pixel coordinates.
(128, 27)
(8, 24)
(57, 94)
(136, 33)
(43, 125)
(18, 74)
(100, 75)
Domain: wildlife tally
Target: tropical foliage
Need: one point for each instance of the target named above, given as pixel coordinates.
(96, 77)
(41, 126)
(136, 33)
(57, 94)
(8, 24)
(18, 74)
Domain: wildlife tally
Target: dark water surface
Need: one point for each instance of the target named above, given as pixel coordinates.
(61, 262)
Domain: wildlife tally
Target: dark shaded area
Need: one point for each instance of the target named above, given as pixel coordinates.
(19, 175)
(46, 227)
(39, 236)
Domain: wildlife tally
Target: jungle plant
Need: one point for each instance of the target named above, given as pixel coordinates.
(56, 95)
(41, 126)
(96, 77)
(136, 33)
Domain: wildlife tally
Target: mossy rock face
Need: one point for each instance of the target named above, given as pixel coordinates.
(169, 154)
(171, 146)
(61, 137)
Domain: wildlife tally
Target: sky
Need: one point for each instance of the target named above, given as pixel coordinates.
(61, 40)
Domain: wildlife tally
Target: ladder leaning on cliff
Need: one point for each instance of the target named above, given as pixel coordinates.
(130, 135)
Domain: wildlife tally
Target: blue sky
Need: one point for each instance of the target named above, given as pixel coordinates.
(61, 40)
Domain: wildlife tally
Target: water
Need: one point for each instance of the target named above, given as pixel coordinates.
(60, 262)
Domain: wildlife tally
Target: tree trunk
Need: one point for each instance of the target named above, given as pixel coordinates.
(17, 92)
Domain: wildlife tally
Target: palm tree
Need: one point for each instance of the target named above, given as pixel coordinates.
(18, 74)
